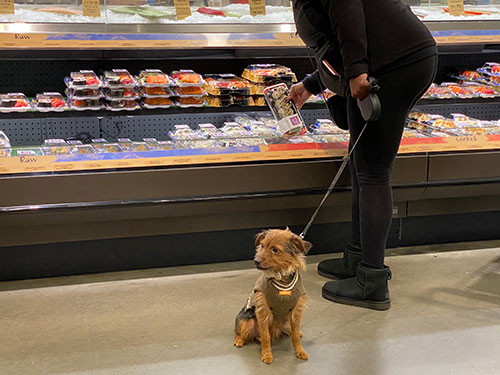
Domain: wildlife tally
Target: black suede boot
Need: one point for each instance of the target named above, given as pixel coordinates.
(368, 289)
(341, 268)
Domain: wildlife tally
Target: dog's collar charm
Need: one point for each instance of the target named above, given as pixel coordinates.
(286, 287)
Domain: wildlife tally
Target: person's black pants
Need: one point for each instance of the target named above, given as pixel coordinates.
(372, 160)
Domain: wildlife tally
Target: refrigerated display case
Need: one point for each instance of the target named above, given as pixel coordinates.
(159, 200)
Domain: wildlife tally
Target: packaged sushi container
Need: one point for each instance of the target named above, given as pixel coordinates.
(50, 102)
(118, 79)
(85, 104)
(84, 79)
(151, 78)
(226, 84)
(269, 74)
(187, 78)
(14, 102)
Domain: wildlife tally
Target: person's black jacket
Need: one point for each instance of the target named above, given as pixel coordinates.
(363, 36)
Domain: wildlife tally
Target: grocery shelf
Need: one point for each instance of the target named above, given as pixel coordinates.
(161, 36)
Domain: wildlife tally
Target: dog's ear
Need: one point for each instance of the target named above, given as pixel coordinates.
(300, 245)
(259, 238)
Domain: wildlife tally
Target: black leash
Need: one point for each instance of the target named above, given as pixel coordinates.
(370, 110)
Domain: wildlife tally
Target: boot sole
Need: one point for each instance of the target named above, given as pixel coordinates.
(334, 277)
(373, 305)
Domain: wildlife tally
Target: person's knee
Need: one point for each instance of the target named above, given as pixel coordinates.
(374, 176)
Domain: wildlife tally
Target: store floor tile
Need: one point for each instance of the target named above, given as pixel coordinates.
(445, 319)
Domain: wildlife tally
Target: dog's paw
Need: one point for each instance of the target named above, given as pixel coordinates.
(301, 354)
(239, 342)
(267, 358)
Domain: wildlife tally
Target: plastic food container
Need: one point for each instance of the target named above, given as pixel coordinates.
(289, 120)
(209, 130)
(166, 145)
(134, 147)
(269, 73)
(226, 84)
(118, 78)
(122, 105)
(83, 94)
(107, 147)
(50, 102)
(83, 149)
(326, 126)
(156, 92)
(189, 92)
(190, 102)
(120, 94)
(184, 133)
(5, 152)
(261, 130)
(14, 102)
(4, 140)
(153, 103)
(83, 79)
(56, 150)
(153, 78)
(85, 104)
(187, 78)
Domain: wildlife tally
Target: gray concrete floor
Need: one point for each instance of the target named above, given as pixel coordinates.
(445, 319)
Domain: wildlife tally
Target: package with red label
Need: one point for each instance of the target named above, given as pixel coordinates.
(83, 79)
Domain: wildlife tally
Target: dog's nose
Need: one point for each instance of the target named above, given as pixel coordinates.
(256, 262)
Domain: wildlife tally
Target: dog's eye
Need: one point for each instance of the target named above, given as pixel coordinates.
(274, 250)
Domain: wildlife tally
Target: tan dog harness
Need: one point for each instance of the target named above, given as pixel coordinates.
(281, 298)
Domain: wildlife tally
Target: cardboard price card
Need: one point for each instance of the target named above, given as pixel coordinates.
(258, 7)
(456, 7)
(182, 9)
(7, 7)
(91, 8)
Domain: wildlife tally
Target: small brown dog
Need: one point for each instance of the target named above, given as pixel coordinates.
(277, 302)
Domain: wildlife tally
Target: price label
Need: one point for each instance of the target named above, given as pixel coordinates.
(182, 9)
(456, 7)
(7, 7)
(258, 7)
(91, 8)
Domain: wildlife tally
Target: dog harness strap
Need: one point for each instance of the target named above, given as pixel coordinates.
(286, 287)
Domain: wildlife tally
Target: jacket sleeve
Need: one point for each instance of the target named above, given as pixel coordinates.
(312, 83)
(348, 22)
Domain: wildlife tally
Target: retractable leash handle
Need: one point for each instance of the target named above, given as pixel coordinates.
(370, 110)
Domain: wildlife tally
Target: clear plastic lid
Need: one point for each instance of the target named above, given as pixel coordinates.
(226, 84)
(156, 92)
(107, 147)
(187, 78)
(83, 79)
(120, 94)
(83, 94)
(85, 104)
(153, 78)
(54, 142)
(50, 101)
(83, 149)
(184, 133)
(153, 103)
(269, 73)
(4, 140)
(122, 105)
(14, 102)
(118, 78)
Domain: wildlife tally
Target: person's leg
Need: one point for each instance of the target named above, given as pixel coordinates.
(373, 160)
(345, 267)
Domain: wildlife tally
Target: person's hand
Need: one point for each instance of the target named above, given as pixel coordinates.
(299, 94)
(360, 87)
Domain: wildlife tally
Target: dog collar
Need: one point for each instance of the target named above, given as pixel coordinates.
(286, 287)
